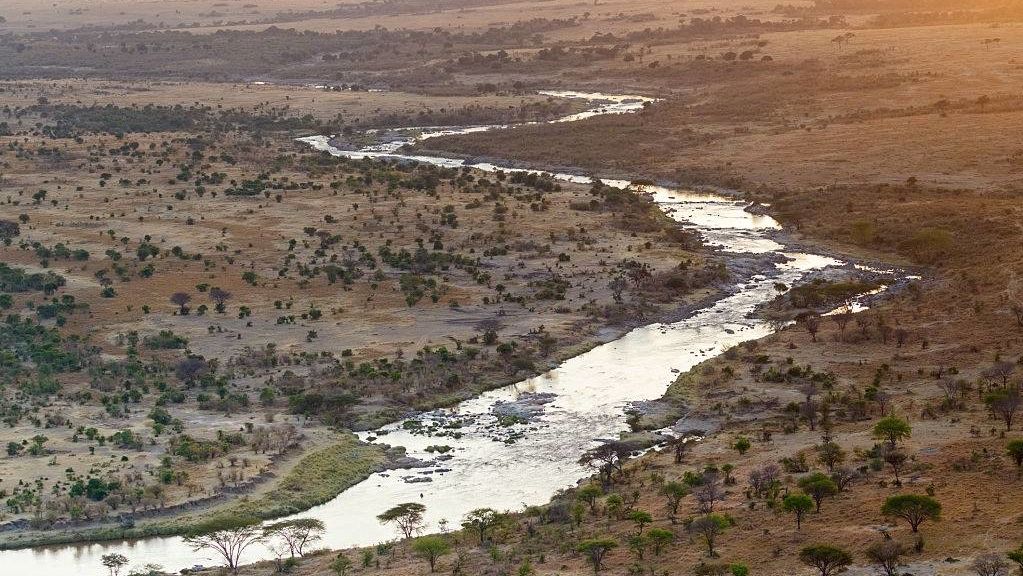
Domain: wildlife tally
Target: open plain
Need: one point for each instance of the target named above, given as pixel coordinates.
(200, 309)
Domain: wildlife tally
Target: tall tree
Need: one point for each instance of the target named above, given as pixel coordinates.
(798, 505)
(674, 492)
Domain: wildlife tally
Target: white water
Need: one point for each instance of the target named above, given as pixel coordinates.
(592, 390)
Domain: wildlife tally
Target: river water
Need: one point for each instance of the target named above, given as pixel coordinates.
(508, 467)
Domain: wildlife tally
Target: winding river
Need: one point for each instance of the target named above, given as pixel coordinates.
(581, 402)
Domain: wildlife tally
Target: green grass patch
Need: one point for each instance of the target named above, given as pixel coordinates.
(316, 479)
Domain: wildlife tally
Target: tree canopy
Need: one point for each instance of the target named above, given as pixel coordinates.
(913, 508)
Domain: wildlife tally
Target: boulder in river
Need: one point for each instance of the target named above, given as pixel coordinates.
(527, 407)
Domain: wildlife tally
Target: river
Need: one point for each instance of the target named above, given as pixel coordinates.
(508, 467)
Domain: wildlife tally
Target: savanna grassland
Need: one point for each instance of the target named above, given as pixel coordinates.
(196, 304)
(197, 307)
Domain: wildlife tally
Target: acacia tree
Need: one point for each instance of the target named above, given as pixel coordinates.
(431, 548)
(608, 459)
(114, 562)
(228, 536)
(892, 429)
(913, 508)
(589, 494)
(818, 486)
(596, 549)
(826, 559)
(641, 519)
(408, 517)
(296, 534)
(830, 454)
(674, 492)
(798, 505)
(480, 521)
(660, 538)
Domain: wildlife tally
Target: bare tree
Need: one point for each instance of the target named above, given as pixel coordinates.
(284, 436)
(1000, 372)
(708, 493)
(219, 298)
(181, 299)
(708, 527)
(1004, 403)
(990, 564)
(680, 445)
(617, 285)
(842, 317)
(901, 336)
(886, 554)
(764, 480)
(843, 476)
(952, 389)
(811, 322)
